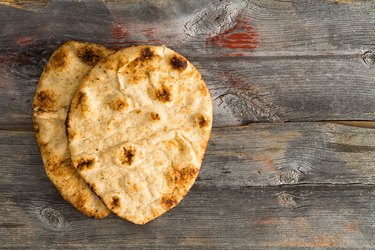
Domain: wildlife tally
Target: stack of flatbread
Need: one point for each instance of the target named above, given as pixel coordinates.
(121, 131)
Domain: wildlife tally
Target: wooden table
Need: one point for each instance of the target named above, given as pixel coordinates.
(291, 161)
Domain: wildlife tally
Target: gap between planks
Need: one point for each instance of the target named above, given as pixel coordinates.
(354, 123)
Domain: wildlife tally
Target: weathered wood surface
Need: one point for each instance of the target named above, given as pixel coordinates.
(255, 155)
(275, 185)
(197, 28)
(263, 60)
(209, 218)
(243, 90)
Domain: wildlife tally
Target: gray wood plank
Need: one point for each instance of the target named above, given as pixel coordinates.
(312, 60)
(263, 27)
(33, 215)
(243, 90)
(256, 155)
(264, 185)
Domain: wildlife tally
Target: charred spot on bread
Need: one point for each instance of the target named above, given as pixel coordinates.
(155, 116)
(164, 94)
(202, 121)
(146, 54)
(179, 178)
(115, 202)
(127, 155)
(84, 164)
(43, 100)
(168, 201)
(59, 59)
(178, 62)
(89, 55)
(119, 105)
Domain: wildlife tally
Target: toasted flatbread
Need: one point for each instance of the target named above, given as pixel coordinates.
(60, 79)
(138, 128)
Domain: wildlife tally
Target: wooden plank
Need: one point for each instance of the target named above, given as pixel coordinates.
(209, 27)
(256, 155)
(290, 153)
(313, 59)
(32, 215)
(243, 90)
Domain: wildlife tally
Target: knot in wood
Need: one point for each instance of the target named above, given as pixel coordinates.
(52, 218)
(369, 58)
(290, 176)
(286, 200)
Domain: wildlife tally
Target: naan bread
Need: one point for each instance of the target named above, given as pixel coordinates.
(61, 77)
(138, 128)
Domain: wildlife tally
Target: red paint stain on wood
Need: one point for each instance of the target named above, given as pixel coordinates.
(149, 33)
(122, 37)
(25, 40)
(119, 32)
(8, 59)
(240, 36)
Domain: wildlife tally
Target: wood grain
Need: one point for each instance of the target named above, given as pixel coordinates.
(206, 27)
(256, 217)
(309, 61)
(264, 185)
(243, 90)
(256, 155)
(297, 184)
(325, 199)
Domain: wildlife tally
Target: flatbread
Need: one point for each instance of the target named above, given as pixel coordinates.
(138, 128)
(59, 81)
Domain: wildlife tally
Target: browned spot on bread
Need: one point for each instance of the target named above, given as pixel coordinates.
(164, 94)
(72, 135)
(81, 97)
(52, 165)
(181, 178)
(204, 144)
(121, 63)
(203, 89)
(119, 105)
(168, 201)
(115, 202)
(127, 156)
(89, 54)
(155, 116)
(85, 164)
(82, 101)
(134, 187)
(80, 201)
(146, 54)
(185, 175)
(59, 59)
(202, 121)
(178, 62)
(36, 127)
(44, 100)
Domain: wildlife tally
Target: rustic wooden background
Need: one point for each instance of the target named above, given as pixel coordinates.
(291, 161)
